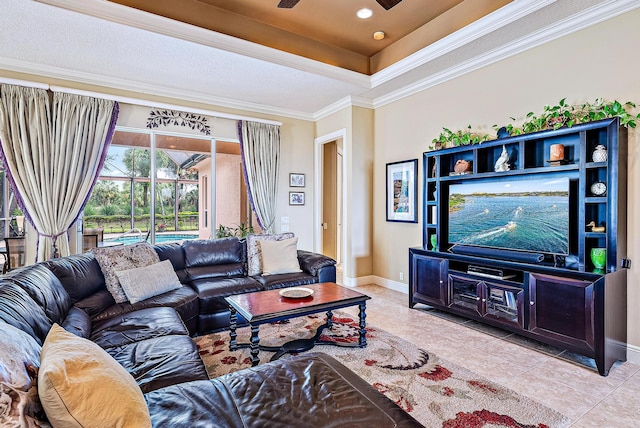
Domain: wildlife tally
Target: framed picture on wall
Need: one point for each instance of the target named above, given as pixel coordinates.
(296, 198)
(402, 191)
(296, 180)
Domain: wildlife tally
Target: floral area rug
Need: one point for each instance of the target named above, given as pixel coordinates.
(434, 391)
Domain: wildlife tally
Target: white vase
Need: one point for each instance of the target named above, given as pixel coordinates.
(600, 153)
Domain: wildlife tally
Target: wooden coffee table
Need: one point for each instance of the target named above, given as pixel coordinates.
(269, 306)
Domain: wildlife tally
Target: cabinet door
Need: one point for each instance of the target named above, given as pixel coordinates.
(428, 280)
(504, 303)
(562, 309)
(466, 294)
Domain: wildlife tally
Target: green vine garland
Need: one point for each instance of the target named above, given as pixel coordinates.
(552, 117)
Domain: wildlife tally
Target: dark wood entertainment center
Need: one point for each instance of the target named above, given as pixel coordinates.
(561, 300)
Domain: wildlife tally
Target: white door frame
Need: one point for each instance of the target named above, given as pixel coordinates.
(340, 134)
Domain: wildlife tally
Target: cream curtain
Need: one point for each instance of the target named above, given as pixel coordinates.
(53, 151)
(260, 146)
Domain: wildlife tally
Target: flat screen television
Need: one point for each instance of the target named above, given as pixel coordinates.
(528, 215)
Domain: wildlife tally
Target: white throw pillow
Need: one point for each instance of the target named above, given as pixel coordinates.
(253, 250)
(279, 256)
(148, 281)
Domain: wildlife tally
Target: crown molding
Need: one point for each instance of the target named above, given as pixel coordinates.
(158, 24)
(576, 22)
(144, 88)
(494, 21)
(348, 101)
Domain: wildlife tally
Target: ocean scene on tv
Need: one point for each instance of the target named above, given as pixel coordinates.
(530, 215)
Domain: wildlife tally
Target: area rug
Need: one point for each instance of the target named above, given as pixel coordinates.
(433, 390)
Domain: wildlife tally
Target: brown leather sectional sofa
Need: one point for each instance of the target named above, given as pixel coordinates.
(152, 340)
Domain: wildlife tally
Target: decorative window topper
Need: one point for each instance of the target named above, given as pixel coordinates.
(165, 117)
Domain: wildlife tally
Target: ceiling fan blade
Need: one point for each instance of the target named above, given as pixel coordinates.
(388, 4)
(287, 4)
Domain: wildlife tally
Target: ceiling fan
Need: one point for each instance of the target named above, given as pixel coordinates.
(387, 4)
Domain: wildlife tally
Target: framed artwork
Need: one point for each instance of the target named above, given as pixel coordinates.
(296, 180)
(296, 198)
(402, 191)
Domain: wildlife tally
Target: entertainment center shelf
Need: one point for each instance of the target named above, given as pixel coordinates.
(515, 231)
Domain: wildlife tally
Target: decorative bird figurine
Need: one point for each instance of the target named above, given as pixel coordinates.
(502, 164)
(595, 228)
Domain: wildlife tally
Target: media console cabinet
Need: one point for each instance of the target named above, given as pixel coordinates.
(559, 299)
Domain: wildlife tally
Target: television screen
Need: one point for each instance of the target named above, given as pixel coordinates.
(529, 215)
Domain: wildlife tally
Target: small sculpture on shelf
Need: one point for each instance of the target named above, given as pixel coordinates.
(502, 164)
(595, 228)
(462, 167)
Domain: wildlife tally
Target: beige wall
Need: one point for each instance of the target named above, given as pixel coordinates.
(596, 62)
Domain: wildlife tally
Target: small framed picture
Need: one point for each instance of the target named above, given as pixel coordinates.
(296, 198)
(296, 180)
(402, 191)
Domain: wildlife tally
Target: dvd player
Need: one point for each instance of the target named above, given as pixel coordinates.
(489, 272)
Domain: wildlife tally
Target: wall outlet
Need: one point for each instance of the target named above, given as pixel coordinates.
(401, 276)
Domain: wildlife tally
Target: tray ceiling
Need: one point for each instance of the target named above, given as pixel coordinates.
(328, 30)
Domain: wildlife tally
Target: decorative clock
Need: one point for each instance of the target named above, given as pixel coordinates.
(599, 188)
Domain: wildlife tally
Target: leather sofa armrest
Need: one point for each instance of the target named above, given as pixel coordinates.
(313, 262)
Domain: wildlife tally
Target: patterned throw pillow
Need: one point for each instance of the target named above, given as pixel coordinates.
(115, 259)
(19, 363)
(254, 265)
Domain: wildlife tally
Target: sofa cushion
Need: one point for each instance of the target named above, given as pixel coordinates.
(211, 292)
(44, 288)
(114, 259)
(80, 274)
(77, 322)
(184, 300)
(160, 361)
(19, 364)
(18, 309)
(137, 325)
(174, 252)
(225, 251)
(282, 280)
(279, 256)
(253, 250)
(143, 282)
(80, 385)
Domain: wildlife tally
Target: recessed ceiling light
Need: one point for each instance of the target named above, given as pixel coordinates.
(364, 13)
(378, 35)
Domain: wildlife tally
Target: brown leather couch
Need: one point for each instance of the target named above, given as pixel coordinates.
(152, 340)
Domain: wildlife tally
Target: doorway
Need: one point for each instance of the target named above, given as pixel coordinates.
(330, 205)
(332, 200)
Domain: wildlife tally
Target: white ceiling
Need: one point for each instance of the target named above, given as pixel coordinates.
(105, 44)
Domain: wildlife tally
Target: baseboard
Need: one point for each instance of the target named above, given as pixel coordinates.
(633, 354)
(378, 280)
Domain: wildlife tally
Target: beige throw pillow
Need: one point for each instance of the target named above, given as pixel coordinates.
(254, 266)
(115, 259)
(279, 256)
(148, 281)
(80, 385)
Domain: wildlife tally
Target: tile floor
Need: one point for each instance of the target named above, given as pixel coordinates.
(562, 381)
